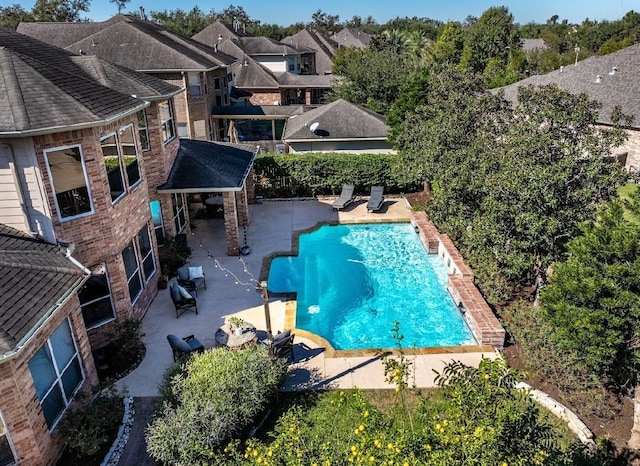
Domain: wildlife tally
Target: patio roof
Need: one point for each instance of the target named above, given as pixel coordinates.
(203, 166)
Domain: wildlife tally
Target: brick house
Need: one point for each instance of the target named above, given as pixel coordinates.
(612, 80)
(146, 47)
(80, 161)
(45, 356)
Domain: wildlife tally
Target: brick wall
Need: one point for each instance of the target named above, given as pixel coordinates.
(19, 402)
(101, 237)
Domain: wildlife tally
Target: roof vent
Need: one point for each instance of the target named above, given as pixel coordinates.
(561, 69)
(598, 79)
(80, 52)
(245, 63)
(613, 71)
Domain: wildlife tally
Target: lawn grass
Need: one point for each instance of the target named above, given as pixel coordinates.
(625, 192)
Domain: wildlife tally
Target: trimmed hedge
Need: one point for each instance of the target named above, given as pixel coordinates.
(310, 174)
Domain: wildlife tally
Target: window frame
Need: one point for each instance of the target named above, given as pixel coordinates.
(170, 121)
(57, 382)
(143, 129)
(150, 253)
(176, 212)
(128, 187)
(95, 271)
(157, 226)
(4, 432)
(134, 243)
(191, 85)
(53, 187)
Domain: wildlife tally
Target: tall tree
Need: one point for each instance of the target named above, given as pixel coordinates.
(121, 4)
(183, 22)
(491, 37)
(448, 48)
(11, 16)
(325, 23)
(60, 10)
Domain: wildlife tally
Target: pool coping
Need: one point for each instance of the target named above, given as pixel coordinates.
(330, 351)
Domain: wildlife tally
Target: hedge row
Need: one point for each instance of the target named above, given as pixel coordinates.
(310, 174)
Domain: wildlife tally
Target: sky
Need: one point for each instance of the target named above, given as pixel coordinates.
(286, 12)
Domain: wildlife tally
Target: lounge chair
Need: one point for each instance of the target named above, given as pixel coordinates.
(183, 299)
(376, 199)
(191, 278)
(346, 198)
(184, 346)
(282, 345)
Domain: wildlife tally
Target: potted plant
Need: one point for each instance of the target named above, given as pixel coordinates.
(235, 324)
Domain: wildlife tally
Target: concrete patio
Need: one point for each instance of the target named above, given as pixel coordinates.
(270, 230)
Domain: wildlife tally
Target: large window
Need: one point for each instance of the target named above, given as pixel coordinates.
(166, 120)
(143, 131)
(7, 455)
(56, 373)
(121, 161)
(95, 299)
(131, 266)
(179, 217)
(146, 253)
(69, 180)
(195, 88)
(158, 224)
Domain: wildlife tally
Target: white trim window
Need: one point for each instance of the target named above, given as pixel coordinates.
(120, 154)
(143, 130)
(195, 86)
(95, 299)
(57, 373)
(132, 268)
(146, 253)
(7, 452)
(165, 109)
(68, 175)
(179, 215)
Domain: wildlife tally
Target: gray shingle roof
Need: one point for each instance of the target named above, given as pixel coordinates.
(350, 37)
(621, 87)
(321, 44)
(259, 110)
(249, 74)
(339, 120)
(533, 44)
(203, 166)
(257, 46)
(209, 35)
(134, 43)
(35, 276)
(319, 81)
(43, 88)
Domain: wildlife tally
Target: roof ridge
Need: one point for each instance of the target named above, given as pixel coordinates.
(38, 267)
(18, 111)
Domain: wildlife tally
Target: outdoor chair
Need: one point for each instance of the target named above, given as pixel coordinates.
(282, 345)
(183, 346)
(346, 198)
(191, 278)
(376, 199)
(183, 299)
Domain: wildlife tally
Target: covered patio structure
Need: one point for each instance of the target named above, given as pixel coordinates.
(203, 167)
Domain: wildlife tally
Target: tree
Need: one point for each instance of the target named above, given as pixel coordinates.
(121, 4)
(368, 77)
(233, 13)
(13, 15)
(324, 23)
(60, 10)
(448, 48)
(510, 185)
(185, 23)
(492, 36)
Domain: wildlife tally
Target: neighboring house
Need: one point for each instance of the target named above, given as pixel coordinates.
(45, 357)
(149, 48)
(351, 37)
(80, 161)
(272, 72)
(611, 80)
(337, 127)
(323, 46)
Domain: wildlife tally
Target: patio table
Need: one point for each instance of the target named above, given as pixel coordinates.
(229, 338)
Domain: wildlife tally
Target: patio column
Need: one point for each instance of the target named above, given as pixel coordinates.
(243, 207)
(307, 96)
(231, 223)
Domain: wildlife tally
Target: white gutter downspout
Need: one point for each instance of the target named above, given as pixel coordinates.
(47, 315)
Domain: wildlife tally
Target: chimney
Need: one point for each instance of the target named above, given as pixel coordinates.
(142, 13)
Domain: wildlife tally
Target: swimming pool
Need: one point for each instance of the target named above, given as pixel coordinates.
(353, 281)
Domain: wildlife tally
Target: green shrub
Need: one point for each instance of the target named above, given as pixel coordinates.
(172, 255)
(90, 425)
(311, 174)
(214, 398)
(125, 350)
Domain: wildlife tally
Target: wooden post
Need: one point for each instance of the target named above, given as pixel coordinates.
(267, 315)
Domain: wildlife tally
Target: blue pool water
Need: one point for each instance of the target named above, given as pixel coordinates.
(354, 281)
